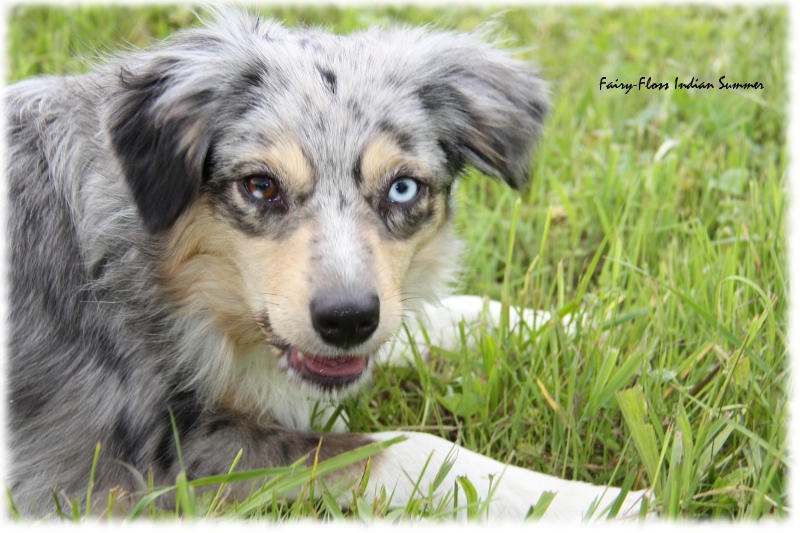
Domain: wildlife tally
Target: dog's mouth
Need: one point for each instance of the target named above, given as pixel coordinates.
(325, 370)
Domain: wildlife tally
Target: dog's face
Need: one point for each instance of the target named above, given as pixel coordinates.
(300, 182)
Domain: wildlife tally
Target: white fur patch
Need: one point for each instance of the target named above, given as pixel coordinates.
(403, 466)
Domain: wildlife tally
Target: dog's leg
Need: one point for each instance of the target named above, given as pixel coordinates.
(413, 465)
(441, 326)
(405, 470)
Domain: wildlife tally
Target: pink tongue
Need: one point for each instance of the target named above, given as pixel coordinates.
(335, 367)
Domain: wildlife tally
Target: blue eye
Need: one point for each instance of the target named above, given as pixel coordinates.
(403, 190)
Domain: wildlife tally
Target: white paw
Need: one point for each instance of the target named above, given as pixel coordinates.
(441, 326)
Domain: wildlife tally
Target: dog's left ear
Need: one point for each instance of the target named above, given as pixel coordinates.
(160, 125)
(489, 109)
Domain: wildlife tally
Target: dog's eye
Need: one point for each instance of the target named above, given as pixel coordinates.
(403, 190)
(262, 188)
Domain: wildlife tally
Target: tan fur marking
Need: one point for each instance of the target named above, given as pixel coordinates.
(199, 268)
(277, 271)
(440, 204)
(234, 400)
(288, 158)
(285, 157)
(381, 156)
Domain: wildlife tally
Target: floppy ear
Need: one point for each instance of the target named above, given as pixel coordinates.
(160, 129)
(489, 109)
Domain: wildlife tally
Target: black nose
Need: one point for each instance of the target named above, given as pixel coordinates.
(345, 319)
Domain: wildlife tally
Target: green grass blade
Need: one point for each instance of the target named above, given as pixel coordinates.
(537, 510)
(634, 410)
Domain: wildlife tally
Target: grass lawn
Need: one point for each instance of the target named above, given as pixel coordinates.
(655, 217)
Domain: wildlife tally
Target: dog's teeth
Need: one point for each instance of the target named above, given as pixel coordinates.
(299, 355)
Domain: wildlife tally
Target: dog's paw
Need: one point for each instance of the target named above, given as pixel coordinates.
(440, 326)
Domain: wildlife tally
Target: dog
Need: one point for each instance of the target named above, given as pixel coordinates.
(227, 228)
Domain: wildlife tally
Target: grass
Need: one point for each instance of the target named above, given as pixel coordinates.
(655, 217)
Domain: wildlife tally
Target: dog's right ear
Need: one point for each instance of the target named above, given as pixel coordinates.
(159, 123)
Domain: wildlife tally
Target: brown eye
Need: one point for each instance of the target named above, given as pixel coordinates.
(262, 188)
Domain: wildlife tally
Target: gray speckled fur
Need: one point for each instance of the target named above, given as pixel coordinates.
(96, 350)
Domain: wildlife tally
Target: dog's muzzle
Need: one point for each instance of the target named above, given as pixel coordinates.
(343, 320)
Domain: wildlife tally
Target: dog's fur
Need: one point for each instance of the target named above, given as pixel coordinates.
(146, 280)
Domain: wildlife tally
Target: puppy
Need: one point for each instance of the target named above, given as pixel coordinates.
(225, 229)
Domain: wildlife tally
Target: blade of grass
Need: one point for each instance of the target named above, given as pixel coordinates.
(632, 404)
(506, 290)
(91, 479)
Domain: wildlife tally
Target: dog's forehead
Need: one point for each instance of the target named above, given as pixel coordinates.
(334, 94)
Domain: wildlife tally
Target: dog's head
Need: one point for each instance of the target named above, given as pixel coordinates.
(300, 182)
